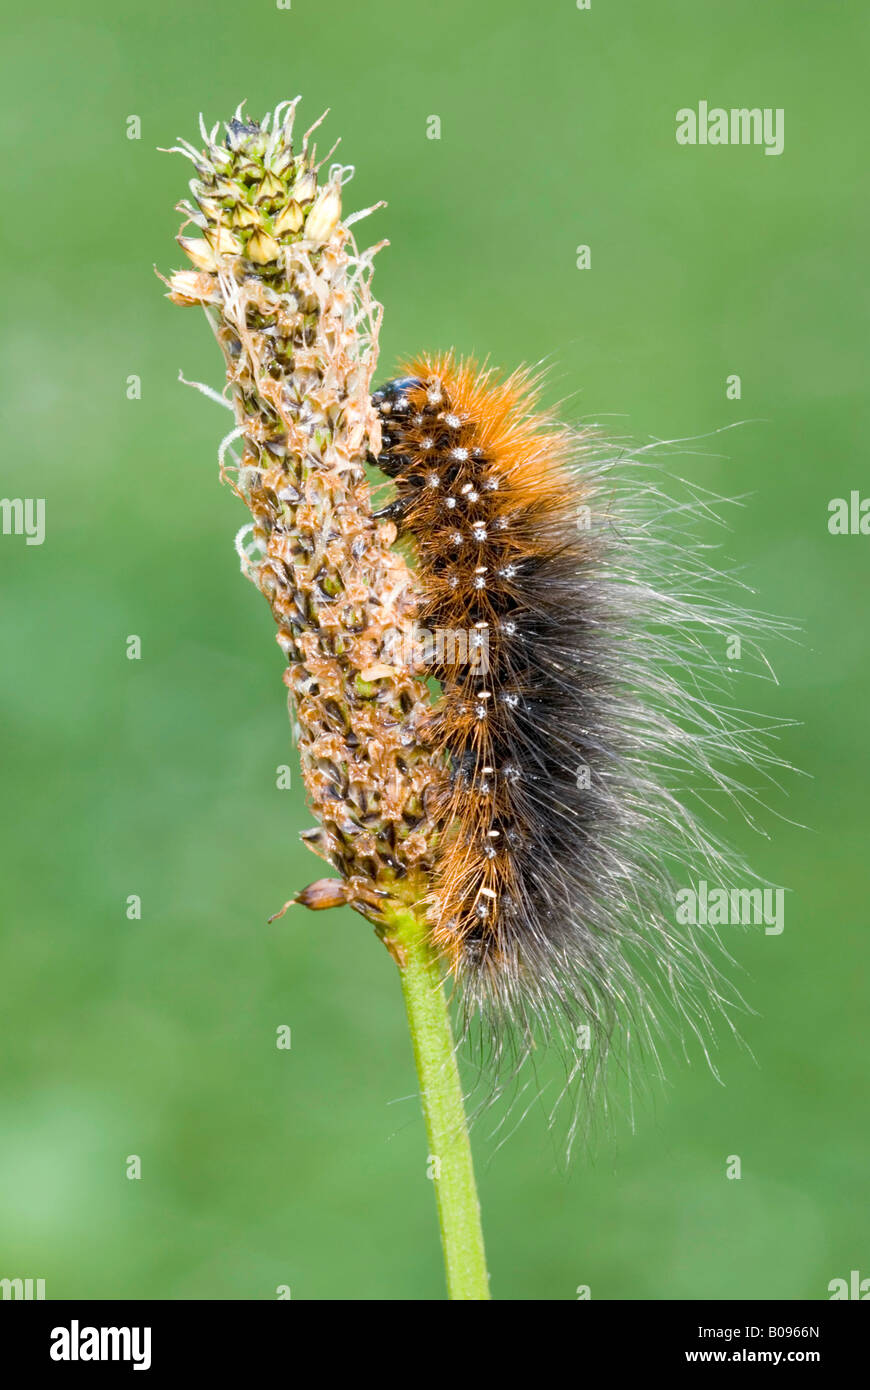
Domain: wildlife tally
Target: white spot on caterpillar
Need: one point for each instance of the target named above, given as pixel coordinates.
(480, 582)
(453, 421)
(480, 711)
(450, 502)
(508, 627)
(433, 397)
(433, 480)
(456, 538)
(426, 443)
(479, 531)
(509, 572)
(461, 454)
(510, 699)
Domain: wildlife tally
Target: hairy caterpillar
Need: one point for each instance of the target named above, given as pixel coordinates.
(560, 826)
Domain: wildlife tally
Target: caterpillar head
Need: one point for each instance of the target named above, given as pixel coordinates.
(392, 404)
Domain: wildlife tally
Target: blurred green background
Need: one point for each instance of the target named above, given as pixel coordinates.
(156, 777)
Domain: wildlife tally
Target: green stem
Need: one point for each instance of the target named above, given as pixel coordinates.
(443, 1107)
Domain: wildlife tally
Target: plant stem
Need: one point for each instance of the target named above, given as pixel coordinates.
(443, 1107)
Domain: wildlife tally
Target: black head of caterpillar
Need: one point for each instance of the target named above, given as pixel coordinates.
(553, 900)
